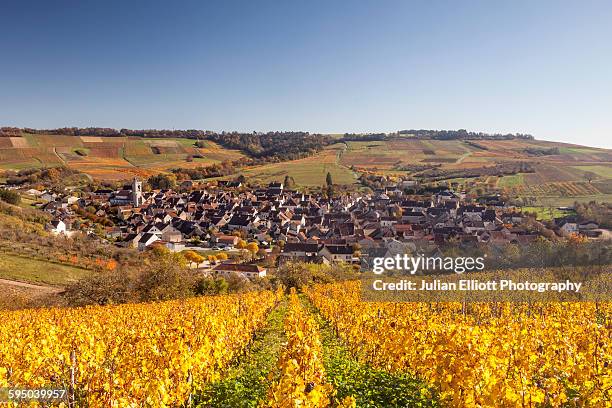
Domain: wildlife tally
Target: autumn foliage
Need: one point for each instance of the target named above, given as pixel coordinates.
(495, 355)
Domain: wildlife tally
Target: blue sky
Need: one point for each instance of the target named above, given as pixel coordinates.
(540, 67)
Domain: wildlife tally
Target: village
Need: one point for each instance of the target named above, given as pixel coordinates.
(290, 225)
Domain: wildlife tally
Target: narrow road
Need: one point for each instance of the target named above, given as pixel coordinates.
(29, 285)
(58, 156)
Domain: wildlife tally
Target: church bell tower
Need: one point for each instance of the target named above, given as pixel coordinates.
(136, 192)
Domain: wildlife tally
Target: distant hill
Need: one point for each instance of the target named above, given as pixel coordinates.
(513, 162)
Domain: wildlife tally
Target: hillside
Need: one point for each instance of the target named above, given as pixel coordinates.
(109, 158)
(549, 169)
(552, 169)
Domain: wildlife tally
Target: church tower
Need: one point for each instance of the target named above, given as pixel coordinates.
(136, 192)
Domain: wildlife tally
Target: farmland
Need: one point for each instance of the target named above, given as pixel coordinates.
(310, 171)
(26, 269)
(558, 170)
(108, 158)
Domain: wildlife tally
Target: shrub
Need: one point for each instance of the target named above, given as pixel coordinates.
(9, 196)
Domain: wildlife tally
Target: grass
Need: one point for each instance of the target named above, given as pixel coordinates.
(30, 270)
(309, 172)
(569, 201)
(246, 383)
(28, 164)
(27, 201)
(511, 181)
(600, 170)
(578, 149)
(547, 213)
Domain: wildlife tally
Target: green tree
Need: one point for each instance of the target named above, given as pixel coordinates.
(210, 286)
(103, 288)
(589, 176)
(164, 276)
(162, 181)
(289, 182)
(10, 196)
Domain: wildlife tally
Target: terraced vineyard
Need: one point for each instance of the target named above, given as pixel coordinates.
(565, 189)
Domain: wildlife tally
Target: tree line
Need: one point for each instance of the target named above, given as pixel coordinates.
(462, 134)
(286, 145)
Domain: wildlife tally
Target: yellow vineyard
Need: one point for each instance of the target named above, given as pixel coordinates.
(154, 354)
(302, 382)
(488, 355)
(163, 354)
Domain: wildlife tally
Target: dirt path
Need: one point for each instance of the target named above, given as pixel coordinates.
(58, 156)
(29, 285)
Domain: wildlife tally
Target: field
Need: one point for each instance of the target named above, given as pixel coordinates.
(310, 171)
(576, 171)
(601, 171)
(547, 213)
(511, 181)
(26, 269)
(108, 158)
(326, 348)
(573, 172)
(393, 153)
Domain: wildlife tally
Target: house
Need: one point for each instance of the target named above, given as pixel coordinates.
(569, 227)
(413, 217)
(146, 240)
(121, 197)
(244, 270)
(48, 196)
(445, 196)
(396, 247)
(300, 250)
(171, 234)
(337, 253)
(388, 221)
(70, 200)
(34, 192)
(238, 221)
(131, 240)
(275, 188)
(102, 194)
(57, 227)
(227, 240)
